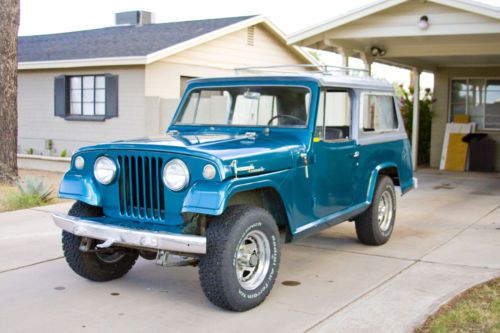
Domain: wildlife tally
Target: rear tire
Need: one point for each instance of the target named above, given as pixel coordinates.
(242, 260)
(92, 265)
(375, 225)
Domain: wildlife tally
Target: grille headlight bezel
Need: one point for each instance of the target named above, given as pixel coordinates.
(105, 170)
(175, 175)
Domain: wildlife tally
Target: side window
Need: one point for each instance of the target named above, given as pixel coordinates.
(378, 114)
(86, 97)
(334, 116)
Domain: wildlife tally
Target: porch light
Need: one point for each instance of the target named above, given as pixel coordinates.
(377, 51)
(423, 23)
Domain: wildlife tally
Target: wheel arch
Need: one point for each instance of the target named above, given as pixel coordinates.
(266, 197)
(389, 169)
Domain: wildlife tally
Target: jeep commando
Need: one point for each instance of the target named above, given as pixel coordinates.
(245, 160)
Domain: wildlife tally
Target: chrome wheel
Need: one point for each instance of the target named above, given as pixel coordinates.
(253, 258)
(385, 211)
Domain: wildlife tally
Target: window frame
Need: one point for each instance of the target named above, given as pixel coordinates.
(82, 102)
(361, 113)
(325, 90)
(62, 106)
(467, 79)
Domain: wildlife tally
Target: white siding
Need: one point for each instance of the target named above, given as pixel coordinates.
(148, 95)
(218, 57)
(37, 122)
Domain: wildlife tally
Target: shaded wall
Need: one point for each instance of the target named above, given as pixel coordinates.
(442, 79)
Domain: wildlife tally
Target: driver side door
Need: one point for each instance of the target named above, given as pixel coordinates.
(333, 154)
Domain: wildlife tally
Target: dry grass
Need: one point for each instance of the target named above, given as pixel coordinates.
(475, 310)
(12, 199)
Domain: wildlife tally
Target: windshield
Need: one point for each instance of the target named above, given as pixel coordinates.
(246, 106)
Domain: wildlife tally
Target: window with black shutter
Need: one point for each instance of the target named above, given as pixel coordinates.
(86, 97)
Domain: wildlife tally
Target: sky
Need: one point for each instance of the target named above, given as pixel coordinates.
(53, 16)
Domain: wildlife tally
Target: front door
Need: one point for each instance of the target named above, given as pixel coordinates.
(333, 155)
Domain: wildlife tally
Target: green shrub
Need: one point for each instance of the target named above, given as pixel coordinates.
(425, 120)
(30, 193)
(64, 153)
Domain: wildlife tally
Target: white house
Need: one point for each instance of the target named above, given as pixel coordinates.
(85, 87)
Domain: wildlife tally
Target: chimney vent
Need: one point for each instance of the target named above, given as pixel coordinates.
(136, 17)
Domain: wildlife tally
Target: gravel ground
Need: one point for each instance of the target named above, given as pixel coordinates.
(52, 179)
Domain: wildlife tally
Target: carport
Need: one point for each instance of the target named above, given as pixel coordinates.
(456, 40)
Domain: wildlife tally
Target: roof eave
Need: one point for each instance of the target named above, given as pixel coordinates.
(470, 6)
(74, 63)
(342, 19)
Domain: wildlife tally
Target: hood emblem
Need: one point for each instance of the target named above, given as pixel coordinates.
(248, 168)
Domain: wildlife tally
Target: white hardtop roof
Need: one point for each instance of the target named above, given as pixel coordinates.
(324, 80)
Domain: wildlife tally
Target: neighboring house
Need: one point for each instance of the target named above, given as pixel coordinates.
(457, 40)
(85, 87)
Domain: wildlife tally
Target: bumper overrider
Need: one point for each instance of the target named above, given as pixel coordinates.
(131, 237)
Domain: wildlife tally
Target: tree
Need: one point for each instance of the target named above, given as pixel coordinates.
(424, 122)
(9, 26)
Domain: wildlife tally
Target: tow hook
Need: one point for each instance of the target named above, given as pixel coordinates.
(176, 260)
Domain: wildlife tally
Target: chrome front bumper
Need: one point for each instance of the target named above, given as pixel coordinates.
(131, 237)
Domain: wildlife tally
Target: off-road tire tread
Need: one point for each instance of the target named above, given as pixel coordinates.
(365, 225)
(88, 265)
(211, 268)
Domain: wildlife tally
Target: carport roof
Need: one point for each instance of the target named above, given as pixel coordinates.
(460, 33)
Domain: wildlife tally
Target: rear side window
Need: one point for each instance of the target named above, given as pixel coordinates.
(378, 114)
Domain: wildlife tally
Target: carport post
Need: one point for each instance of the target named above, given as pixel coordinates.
(414, 130)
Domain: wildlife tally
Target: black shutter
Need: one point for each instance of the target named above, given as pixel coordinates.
(61, 101)
(111, 96)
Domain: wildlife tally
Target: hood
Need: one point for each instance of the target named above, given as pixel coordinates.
(250, 152)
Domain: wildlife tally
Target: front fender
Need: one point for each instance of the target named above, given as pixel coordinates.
(211, 198)
(77, 187)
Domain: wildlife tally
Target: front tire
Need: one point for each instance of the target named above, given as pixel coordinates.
(375, 225)
(93, 265)
(242, 260)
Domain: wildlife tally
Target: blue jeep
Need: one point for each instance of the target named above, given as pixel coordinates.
(244, 159)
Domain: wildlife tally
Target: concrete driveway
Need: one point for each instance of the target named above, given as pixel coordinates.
(447, 238)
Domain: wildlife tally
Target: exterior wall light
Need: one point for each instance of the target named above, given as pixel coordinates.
(377, 51)
(423, 23)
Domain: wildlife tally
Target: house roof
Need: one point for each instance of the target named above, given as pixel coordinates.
(377, 6)
(129, 45)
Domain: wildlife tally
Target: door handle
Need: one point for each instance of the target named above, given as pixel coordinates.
(355, 154)
(306, 164)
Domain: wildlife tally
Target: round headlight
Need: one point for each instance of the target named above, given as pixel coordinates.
(209, 171)
(104, 170)
(175, 175)
(79, 163)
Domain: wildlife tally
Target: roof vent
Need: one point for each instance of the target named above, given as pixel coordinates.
(136, 17)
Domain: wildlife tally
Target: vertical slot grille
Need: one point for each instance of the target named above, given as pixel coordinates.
(141, 188)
